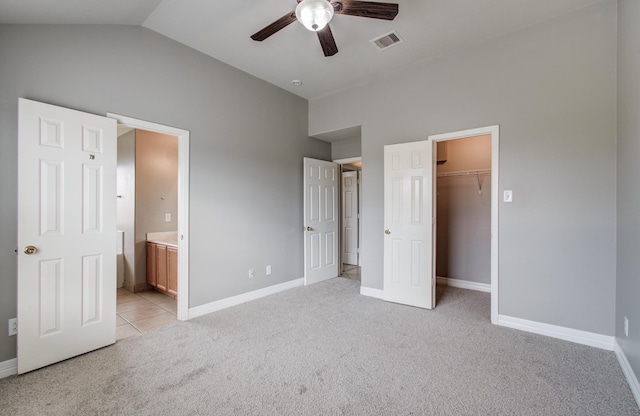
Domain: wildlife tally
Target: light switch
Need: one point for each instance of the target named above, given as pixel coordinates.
(508, 196)
(167, 217)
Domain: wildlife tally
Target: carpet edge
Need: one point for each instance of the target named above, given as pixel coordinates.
(627, 371)
(604, 342)
(242, 298)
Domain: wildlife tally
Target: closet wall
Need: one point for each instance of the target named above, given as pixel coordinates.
(463, 236)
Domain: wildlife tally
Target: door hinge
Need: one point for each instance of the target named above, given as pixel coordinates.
(13, 326)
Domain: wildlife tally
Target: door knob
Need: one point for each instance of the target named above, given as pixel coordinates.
(30, 250)
(387, 231)
(308, 229)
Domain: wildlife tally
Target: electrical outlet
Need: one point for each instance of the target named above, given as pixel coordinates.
(268, 270)
(167, 217)
(251, 274)
(626, 326)
(13, 326)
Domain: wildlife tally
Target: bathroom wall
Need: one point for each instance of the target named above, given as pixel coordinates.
(156, 192)
(147, 191)
(126, 203)
(463, 236)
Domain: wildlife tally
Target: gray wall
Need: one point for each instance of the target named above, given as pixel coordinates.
(463, 231)
(344, 149)
(240, 218)
(552, 89)
(126, 202)
(628, 194)
(156, 193)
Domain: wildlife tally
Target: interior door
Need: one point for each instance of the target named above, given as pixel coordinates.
(320, 220)
(350, 218)
(66, 233)
(408, 219)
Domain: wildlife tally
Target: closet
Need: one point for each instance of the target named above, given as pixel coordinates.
(463, 212)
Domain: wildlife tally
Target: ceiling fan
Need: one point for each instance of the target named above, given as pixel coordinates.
(315, 15)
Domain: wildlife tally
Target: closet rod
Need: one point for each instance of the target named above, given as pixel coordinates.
(465, 173)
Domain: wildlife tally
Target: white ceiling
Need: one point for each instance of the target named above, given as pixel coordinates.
(222, 29)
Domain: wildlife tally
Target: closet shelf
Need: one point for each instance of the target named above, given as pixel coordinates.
(475, 173)
(465, 173)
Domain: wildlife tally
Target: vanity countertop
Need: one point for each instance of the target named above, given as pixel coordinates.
(169, 238)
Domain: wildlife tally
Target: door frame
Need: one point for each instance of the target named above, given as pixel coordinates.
(341, 162)
(494, 131)
(182, 298)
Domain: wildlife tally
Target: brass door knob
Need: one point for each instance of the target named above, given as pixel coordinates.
(387, 231)
(30, 250)
(308, 229)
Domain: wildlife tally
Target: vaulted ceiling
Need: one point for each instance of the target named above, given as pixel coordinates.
(222, 29)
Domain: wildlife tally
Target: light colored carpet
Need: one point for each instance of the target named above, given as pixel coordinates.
(326, 350)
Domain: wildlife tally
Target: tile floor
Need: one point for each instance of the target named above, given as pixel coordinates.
(351, 272)
(142, 311)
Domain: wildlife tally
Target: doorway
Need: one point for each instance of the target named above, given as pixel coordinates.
(474, 179)
(182, 312)
(350, 224)
(147, 212)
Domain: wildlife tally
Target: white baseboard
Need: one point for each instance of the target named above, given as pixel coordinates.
(8, 368)
(374, 293)
(591, 339)
(464, 284)
(628, 371)
(245, 297)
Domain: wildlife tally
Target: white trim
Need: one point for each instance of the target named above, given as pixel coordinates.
(348, 160)
(183, 203)
(371, 292)
(464, 284)
(628, 371)
(591, 339)
(243, 298)
(494, 131)
(8, 368)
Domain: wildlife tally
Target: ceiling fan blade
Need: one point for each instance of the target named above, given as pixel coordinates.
(327, 41)
(374, 10)
(279, 24)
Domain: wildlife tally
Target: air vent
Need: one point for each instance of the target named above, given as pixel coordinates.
(388, 40)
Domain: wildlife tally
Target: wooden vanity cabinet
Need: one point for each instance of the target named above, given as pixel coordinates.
(172, 270)
(152, 270)
(161, 262)
(162, 267)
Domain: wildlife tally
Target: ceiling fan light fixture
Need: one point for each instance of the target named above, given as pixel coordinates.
(314, 14)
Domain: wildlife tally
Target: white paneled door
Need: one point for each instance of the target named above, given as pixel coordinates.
(66, 233)
(350, 218)
(320, 220)
(408, 217)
